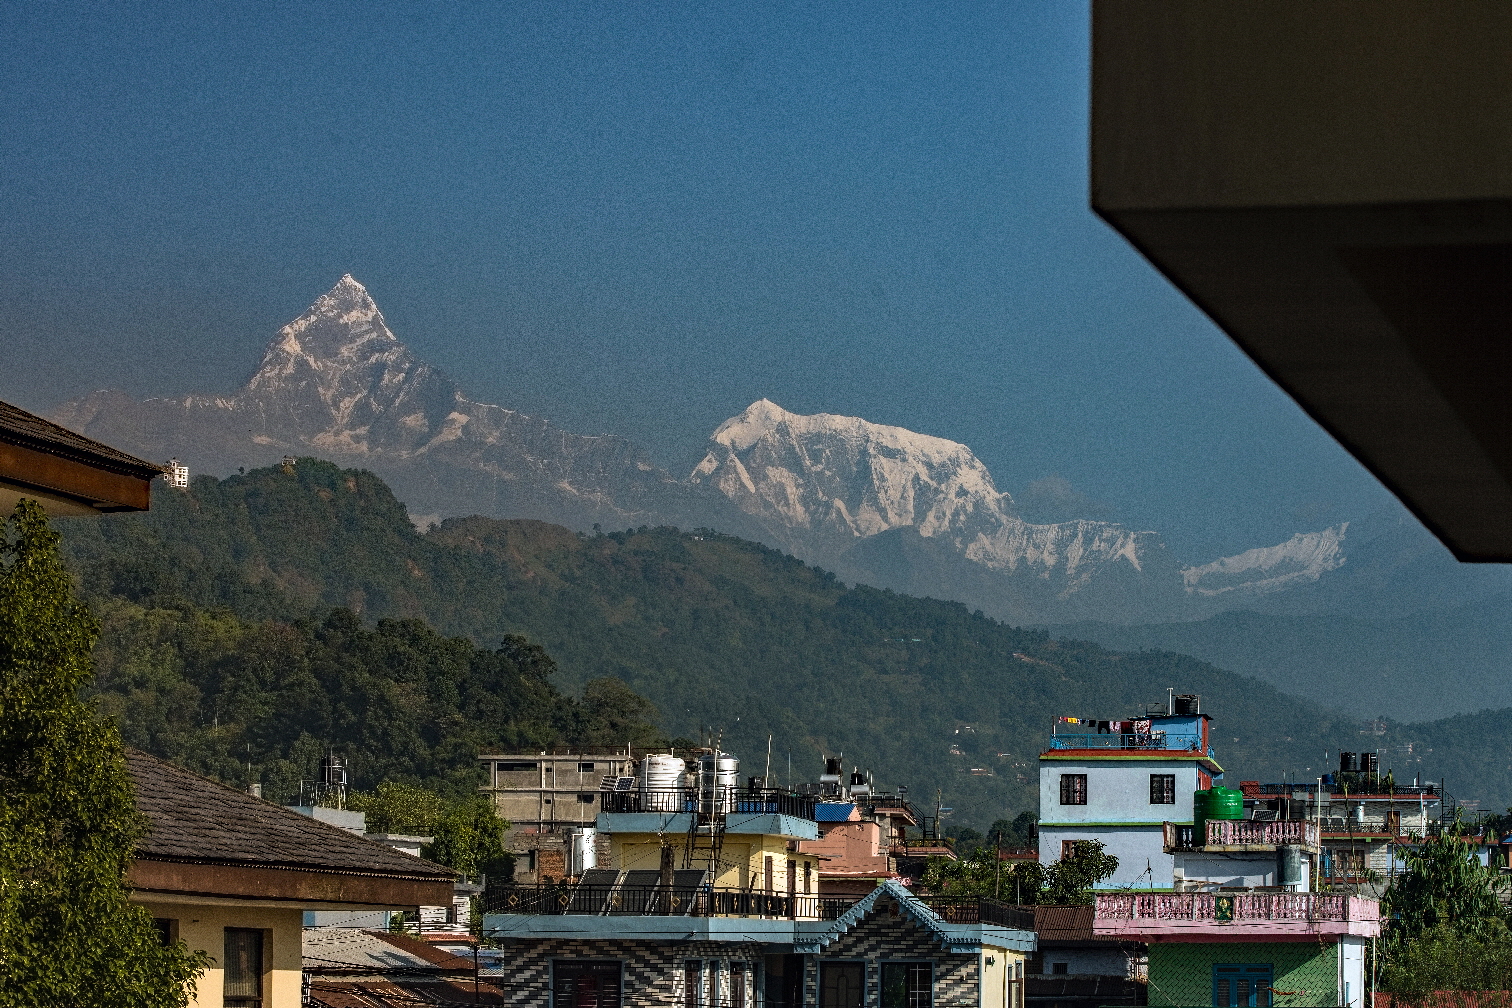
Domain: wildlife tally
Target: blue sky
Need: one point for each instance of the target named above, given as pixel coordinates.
(637, 218)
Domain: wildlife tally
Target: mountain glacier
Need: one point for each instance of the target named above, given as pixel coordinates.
(875, 504)
(821, 482)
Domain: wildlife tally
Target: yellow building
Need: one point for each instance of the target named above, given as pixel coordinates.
(232, 875)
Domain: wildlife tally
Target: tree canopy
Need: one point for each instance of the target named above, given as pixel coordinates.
(68, 822)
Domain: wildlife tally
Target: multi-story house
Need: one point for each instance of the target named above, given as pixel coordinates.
(703, 895)
(1217, 886)
(551, 801)
(1121, 782)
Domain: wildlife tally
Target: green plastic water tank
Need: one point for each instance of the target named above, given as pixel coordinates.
(1224, 803)
(1201, 804)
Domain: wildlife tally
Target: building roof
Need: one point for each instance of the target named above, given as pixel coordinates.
(404, 993)
(346, 949)
(194, 819)
(18, 427)
(834, 811)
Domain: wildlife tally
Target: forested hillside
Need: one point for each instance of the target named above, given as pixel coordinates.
(262, 700)
(717, 632)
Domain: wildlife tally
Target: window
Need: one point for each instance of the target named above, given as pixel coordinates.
(907, 985)
(842, 984)
(585, 983)
(508, 767)
(1073, 789)
(808, 877)
(242, 979)
(1242, 985)
(167, 929)
(585, 799)
(1034, 963)
(692, 983)
(1060, 968)
(586, 767)
(1162, 789)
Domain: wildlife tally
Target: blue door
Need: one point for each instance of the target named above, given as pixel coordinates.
(1242, 985)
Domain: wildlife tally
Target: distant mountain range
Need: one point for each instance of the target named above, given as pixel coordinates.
(875, 504)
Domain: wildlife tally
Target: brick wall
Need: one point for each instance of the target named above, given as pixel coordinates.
(1181, 973)
(653, 974)
(651, 971)
(885, 935)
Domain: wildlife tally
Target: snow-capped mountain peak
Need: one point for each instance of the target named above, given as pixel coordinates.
(822, 483)
(1304, 557)
(844, 474)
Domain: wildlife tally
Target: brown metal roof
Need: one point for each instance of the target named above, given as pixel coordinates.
(192, 818)
(28, 430)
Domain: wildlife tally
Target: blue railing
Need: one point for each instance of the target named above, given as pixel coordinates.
(1157, 740)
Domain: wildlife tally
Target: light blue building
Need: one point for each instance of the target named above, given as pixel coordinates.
(1127, 783)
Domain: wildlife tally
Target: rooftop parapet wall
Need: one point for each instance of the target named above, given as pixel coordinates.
(1149, 917)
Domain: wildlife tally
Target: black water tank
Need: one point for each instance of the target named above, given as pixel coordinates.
(1370, 762)
(1187, 704)
(831, 766)
(1349, 762)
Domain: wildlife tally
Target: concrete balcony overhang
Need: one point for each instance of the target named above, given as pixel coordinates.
(1202, 759)
(758, 823)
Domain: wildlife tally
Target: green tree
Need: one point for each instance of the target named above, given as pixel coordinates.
(1443, 959)
(469, 836)
(68, 822)
(1444, 886)
(1067, 882)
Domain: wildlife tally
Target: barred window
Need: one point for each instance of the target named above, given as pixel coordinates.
(1162, 789)
(1073, 789)
(907, 985)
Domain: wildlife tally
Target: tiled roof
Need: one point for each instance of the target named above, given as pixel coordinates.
(195, 819)
(28, 430)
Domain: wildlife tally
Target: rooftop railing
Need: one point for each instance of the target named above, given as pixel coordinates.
(1400, 791)
(664, 901)
(980, 910)
(1155, 740)
(1218, 907)
(1242, 832)
(711, 801)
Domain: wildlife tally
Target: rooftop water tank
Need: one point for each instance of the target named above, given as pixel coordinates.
(718, 777)
(661, 783)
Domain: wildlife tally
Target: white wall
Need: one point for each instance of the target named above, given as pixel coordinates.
(1087, 961)
(1237, 869)
(1117, 791)
(1353, 952)
(1142, 860)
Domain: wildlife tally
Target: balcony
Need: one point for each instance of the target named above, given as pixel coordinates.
(1275, 916)
(708, 802)
(1156, 740)
(664, 901)
(1242, 835)
(705, 901)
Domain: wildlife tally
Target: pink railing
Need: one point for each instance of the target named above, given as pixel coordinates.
(1245, 831)
(1239, 907)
